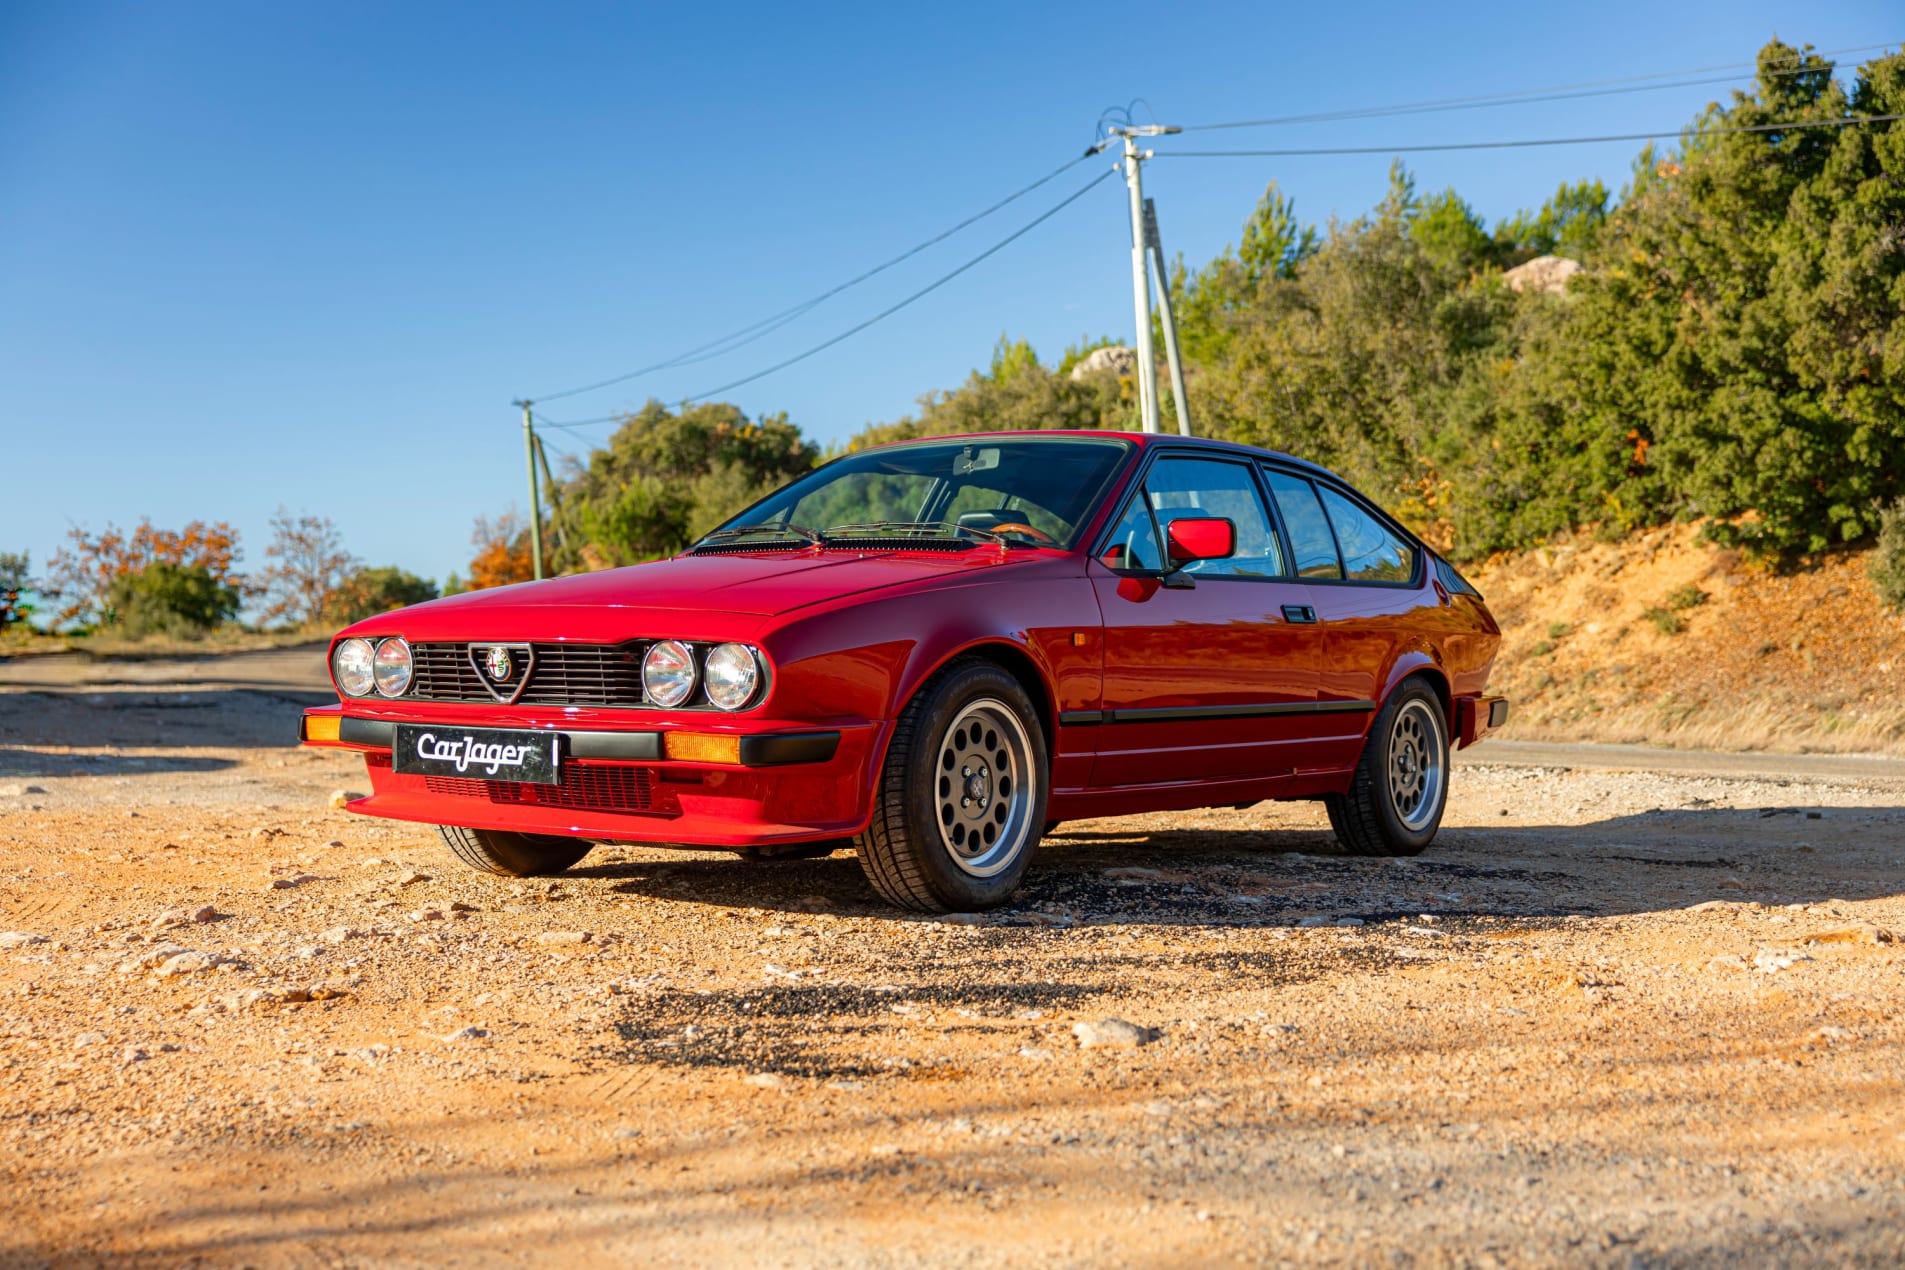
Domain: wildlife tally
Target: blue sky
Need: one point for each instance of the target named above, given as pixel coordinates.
(254, 256)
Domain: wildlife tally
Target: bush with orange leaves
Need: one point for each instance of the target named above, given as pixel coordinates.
(502, 551)
(82, 573)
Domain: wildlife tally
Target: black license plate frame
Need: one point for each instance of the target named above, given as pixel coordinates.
(524, 755)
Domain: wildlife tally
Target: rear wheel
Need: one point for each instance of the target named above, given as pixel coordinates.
(516, 855)
(1395, 803)
(961, 799)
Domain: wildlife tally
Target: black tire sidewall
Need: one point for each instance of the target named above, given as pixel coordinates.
(1399, 834)
(958, 890)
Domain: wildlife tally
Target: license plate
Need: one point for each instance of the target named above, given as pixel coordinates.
(484, 754)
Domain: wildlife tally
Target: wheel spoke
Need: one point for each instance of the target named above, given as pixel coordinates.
(987, 787)
(1418, 764)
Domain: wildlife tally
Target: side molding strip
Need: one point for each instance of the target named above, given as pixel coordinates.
(1173, 714)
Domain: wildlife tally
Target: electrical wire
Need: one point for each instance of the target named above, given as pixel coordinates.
(1789, 126)
(928, 289)
(570, 424)
(1529, 96)
(748, 334)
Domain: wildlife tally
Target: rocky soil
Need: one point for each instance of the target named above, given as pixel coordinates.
(1611, 1018)
(1661, 638)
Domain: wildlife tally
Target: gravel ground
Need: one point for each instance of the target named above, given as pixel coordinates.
(1611, 1018)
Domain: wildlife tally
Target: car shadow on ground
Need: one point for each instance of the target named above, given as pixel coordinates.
(23, 762)
(170, 719)
(1253, 877)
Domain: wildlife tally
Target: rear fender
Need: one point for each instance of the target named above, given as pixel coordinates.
(1421, 662)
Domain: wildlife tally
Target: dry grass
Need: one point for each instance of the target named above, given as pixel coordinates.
(1664, 640)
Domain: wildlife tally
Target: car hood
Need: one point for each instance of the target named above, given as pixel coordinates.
(761, 585)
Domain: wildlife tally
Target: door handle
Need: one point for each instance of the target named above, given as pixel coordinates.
(1298, 613)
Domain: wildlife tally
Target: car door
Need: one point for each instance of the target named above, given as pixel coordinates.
(1365, 585)
(1214, 678)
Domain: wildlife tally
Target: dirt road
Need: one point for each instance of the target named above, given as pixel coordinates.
(1612, 1017)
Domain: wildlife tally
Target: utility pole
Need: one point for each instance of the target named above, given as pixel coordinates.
(1140, 274)
(535, 491)
(1179, 397)
(555, 495)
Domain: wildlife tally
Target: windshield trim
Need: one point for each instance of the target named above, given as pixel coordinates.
(1092, 506)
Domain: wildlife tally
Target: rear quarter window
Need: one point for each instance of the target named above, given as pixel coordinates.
(1310, 541)
(1372, 552)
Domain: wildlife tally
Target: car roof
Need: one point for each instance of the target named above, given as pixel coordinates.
(1140, 439)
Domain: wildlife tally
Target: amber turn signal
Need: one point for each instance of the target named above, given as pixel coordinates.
(322, 727)
(701, 747)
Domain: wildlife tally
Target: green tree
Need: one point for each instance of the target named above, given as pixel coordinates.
(668, 476)
(367, 592)
(181, 601)
(1568, 224)
(1015, 391)
(15, 568)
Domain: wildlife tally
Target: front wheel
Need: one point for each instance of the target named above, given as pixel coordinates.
(961, 798)
(515, 855)
(1395, 802)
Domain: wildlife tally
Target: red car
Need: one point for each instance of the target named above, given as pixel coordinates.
(940, 649)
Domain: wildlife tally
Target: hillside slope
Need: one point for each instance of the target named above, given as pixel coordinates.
(1806, 660)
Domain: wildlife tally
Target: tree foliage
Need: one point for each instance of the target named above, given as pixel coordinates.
(83, 572)
(665, 478)
(1733, 348)
(366, 592)
(502, 551)
(181, 601)
(15, 568)
(308, 564)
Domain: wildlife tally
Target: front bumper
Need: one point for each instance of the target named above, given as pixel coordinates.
(693, 784)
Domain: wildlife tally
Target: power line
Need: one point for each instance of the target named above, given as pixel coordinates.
(1529, 96)
(753, 331)
(569, 424)
(1789, 126)
(929, 288)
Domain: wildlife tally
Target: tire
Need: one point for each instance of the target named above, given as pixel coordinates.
(1401, 786)
(967, 758)
(514, 855)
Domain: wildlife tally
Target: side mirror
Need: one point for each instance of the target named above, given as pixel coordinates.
(1200, 538)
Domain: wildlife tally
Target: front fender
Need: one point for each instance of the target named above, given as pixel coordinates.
(868, 659)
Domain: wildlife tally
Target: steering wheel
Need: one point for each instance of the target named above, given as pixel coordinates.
(1019, 527)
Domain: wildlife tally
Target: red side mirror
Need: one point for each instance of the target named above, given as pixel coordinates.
(1200, 538)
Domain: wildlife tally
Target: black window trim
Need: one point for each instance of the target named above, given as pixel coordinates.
(1382, 518)
(1156, 455)
(1127, 447)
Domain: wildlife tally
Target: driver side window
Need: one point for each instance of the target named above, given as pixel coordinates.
(1176, 488)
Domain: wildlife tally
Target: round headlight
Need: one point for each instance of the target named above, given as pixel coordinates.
(733, 675)
(351, 664)
(391, 667)
(668, 673)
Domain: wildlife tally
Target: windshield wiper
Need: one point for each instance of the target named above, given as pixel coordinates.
(802, 532)
(916, 529)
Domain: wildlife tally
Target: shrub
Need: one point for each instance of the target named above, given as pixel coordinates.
(1541, 650)
(1557, 630)
(1687, 597)
(183, 601)
(1888, 562)
(14, 566)
(1664, 620)
(368, 592)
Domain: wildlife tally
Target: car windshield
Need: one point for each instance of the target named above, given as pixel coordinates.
(1020, 491)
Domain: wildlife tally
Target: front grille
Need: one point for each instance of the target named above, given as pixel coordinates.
(582, 789)
(562, 675)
